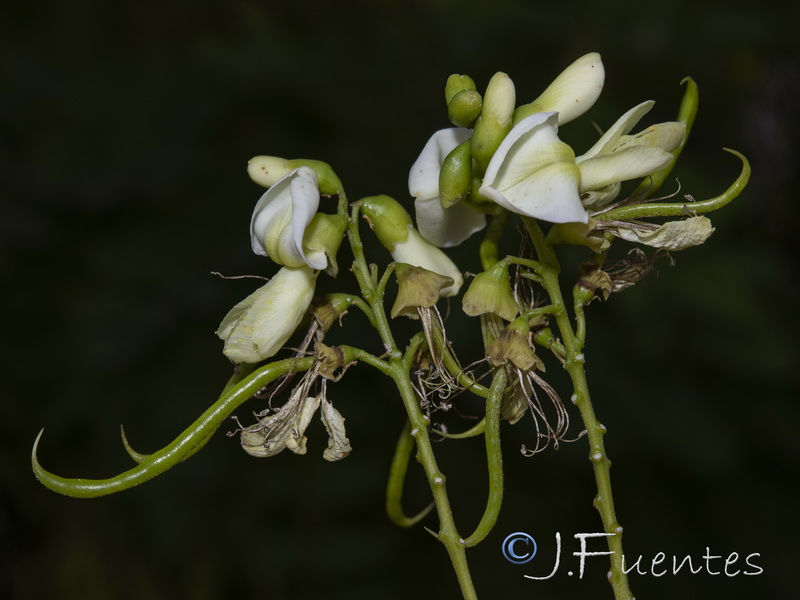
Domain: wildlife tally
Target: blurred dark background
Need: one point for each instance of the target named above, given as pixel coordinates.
(124, 134)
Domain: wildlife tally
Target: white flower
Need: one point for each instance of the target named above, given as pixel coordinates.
(418, 252)
(444, 227)
(280, 219)
(534, 173)
(618, 156)
(257, 327)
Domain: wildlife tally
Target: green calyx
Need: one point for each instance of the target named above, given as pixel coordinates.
(418, 288)
(328, 182)
(490, 292)
(514, 346)
(387, 218)
(578, 234)
(325, 233)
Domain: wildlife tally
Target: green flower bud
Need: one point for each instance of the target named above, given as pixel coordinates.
(387, 218)
(325, 233)
(455, 84)
(266, 170)
(418, 288)
(490, 292)
(455, 176)
(328, 182)
(514, 346)
(495, 120)
(464, 108)
(578, 234)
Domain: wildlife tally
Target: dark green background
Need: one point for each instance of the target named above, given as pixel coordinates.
(124, 133)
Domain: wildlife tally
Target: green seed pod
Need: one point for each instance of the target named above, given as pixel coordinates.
(464, 108)
(455, 176)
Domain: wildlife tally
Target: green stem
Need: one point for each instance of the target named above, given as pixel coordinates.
(575, 366)
(448, 533)
(399, 371)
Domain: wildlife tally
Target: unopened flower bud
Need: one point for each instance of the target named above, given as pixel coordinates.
(325, 234)
(455, 84)
(418, 288)
(495, 121)
(266, 170)
(490, 292)
(328, 182)
(455, 176)
(514, 345)
(464, 108)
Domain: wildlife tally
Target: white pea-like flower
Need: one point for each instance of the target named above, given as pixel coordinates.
(534, 173)
(281, 217)
(444, 227)
(617, 156)
(257, 327)
(418, 252)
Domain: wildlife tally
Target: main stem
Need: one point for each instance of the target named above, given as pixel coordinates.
(399, 372)
(575, 366)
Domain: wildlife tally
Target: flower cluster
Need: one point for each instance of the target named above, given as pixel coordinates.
(287, 228)
(513, 158)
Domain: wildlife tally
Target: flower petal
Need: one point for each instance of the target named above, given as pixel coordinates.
(623, 126)
(418, 252)
(534, 173)
(281, 217)
(446, 227)
(575, 90)
(423, 179)
(338, 444)
(296, 439)
(673, 235)
(257, 327)
(625, 164)
(667, 136)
